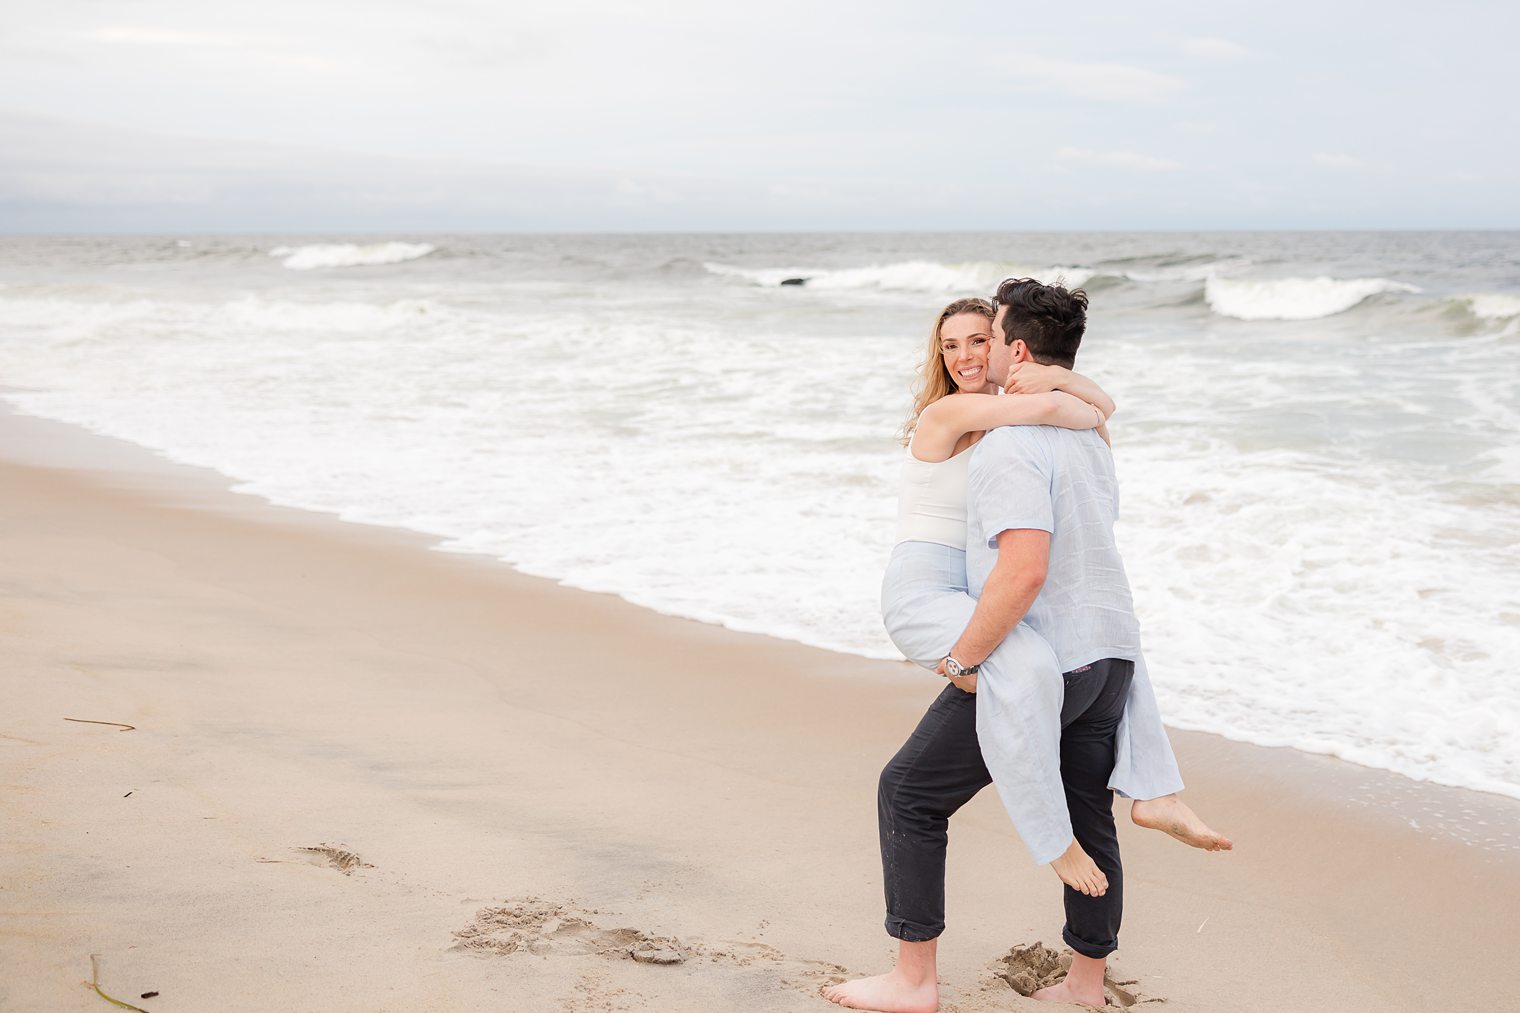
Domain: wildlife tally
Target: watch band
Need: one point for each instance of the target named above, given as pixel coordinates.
(955, 669)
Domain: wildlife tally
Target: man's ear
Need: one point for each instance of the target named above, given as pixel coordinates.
(1019, 350)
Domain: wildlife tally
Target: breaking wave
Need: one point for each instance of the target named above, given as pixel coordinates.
(1293, 298)
(305, 258)
(1491, 305)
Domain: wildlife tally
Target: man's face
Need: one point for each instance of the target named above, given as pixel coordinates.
(1002, 355)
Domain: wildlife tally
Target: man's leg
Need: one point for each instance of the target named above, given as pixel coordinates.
(1095, 703)
(937, 771)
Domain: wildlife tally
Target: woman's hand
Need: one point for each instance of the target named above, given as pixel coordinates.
(1035, 378)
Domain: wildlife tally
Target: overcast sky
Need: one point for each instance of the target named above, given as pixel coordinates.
(387, 116)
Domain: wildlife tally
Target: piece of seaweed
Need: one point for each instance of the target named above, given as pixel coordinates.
(94, 983)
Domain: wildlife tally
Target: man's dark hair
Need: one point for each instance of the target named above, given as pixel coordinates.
(1047, 318)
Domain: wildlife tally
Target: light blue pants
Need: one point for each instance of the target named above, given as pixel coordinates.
(925, 606)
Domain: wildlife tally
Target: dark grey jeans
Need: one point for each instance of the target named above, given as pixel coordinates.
(940, 768)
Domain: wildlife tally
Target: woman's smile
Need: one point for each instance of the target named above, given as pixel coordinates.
(965, 343)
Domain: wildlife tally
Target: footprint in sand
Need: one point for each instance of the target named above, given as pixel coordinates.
(544, 927)
(343, 860)
(541, 927)
(1027, 969)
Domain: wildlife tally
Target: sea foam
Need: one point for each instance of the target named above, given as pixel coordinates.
(305, 258)
(1322, 558)
(1492, 305)
(1293, 298)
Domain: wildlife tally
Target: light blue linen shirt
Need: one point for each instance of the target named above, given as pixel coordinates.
(1062, 481)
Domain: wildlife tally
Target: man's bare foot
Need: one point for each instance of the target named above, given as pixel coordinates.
(892, 992)
(1083, 983)
(1062, 991)
(1170, 815)
(1080, 872)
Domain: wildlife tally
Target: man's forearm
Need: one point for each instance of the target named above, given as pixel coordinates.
(1005, 601)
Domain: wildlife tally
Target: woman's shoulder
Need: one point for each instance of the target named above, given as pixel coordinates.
(947, 406)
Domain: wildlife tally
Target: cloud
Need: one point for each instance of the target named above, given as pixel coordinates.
(162, 37)
(1118, 159)
(635, 191)
(1106, 81)
(1215, 49)
(853, 98)
(1339, 161)
(63, 176)
(259, 48)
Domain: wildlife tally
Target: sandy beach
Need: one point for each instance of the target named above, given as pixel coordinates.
(362, 775)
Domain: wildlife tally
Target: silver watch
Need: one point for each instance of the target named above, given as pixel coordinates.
(954, 669)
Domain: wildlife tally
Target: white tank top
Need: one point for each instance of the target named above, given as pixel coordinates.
(931, 502)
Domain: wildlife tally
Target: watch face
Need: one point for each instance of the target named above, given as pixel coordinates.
(953, 667)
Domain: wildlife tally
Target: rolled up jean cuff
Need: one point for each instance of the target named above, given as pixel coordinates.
(913, 932)
(1085, 948)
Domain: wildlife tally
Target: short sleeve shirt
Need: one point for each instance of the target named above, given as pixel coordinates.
(1061, 481)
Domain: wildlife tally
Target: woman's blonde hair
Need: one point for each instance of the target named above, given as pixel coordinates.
(935, 380)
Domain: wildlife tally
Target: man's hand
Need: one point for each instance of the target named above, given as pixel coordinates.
(964, 683)
(1034, 378)
(1012, 586)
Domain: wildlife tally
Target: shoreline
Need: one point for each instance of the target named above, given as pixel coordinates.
(302, 682)
(42, 441)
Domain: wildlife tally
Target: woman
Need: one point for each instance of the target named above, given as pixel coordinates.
(924, 592)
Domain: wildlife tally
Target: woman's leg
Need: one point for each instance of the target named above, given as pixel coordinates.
(1018, 701)
(925, 607)
(1146, 770)
(1018, 723)
(1144, 766)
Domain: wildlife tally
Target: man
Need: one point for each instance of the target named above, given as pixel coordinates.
(1067, 581)
(1041, 508)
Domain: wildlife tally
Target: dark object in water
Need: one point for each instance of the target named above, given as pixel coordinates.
(147, 995)
(794, 281)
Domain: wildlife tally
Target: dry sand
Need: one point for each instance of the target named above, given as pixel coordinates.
(367, 776)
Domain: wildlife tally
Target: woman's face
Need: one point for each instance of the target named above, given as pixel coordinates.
(964, 343)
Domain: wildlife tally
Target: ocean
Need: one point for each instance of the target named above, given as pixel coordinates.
(1318, 434)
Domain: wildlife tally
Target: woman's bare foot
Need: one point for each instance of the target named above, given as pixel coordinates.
(892, 992)
(1170, 815)
(1080, 872)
